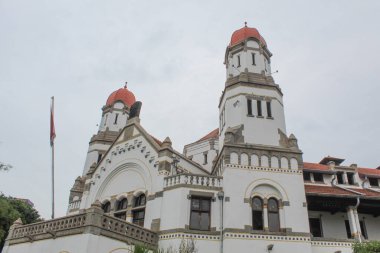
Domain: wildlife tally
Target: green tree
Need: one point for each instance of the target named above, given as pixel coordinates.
(10, 210)
(367, 247)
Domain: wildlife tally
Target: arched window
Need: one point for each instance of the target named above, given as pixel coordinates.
(106, 206)
(264, 161)
(273, 215)
(257, 214)
(284, 163)
(139, 210)
(244, 159)
(121, 209)
(254, 160)
(274, 162)
(234, 158)
(122, 204)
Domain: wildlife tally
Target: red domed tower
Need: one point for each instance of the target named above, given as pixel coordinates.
(247, 52)
(115, 114)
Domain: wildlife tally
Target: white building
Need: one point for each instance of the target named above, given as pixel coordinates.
(243, 187)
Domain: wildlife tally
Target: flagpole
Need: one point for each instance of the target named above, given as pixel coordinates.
(52, 159)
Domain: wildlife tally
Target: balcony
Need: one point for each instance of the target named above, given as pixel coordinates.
(190, 180)
(92, 221)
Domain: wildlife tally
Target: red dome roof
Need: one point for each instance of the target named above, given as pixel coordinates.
(123, 95)
(245, 33)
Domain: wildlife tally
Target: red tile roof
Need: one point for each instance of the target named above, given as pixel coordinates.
(213, 134)
(315, 166)
(369, 172)
(367, 192)
(245, 33)
(327, 190)
(124, 95)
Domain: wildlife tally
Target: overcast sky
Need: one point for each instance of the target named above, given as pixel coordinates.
(171, 53)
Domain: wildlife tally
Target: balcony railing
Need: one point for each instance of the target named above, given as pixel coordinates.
(92, 220)
(191, 179)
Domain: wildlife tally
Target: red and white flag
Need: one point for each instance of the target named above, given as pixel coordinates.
(52, 128)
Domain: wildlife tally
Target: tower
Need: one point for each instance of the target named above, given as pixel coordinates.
(251, 108)
(114, 118)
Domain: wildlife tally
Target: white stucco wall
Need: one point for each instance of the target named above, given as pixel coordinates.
(82, 243)
(256, 130)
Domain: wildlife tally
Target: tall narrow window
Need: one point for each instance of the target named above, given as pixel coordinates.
(105, 120)
(265, 65)
(200, 213)
(205, 158)
(116, 116)
(253, 59)
(339, 176)
(351, 178)
(106, 207)
(257, 214)
(99, 157)
(139, 210)
(273, 215)
(249, 106)
(269, 109)
(121, 209)
(348, 229)
(315, 227)
(363, 229)
(306, 176)
(259, 109)
(238, 60)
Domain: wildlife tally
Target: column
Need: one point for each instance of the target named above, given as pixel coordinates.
(282, 217)
(352, 221)
(357, 223)
(265, 214)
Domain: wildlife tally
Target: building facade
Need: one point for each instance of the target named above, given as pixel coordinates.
(242, 187)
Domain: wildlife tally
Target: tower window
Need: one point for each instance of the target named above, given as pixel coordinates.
(265, 65)
(269, 109)
(116, 116)
(200, 213)
(105, 120)
(99, 157)
(249, 106)
(315, 227)
(253, 59)
(259, 109)
(238, 60)
(205, 158)
(106, 207)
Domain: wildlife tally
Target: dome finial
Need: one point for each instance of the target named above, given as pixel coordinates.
(245, 23)
(125, 86)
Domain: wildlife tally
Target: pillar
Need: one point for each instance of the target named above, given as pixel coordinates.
(352, 221)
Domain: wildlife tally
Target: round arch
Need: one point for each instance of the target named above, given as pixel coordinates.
(269, 182)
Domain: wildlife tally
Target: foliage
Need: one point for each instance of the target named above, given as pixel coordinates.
(186, 246)
(5, 167)
(10, 210)
(140, 249)
(367, 247)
